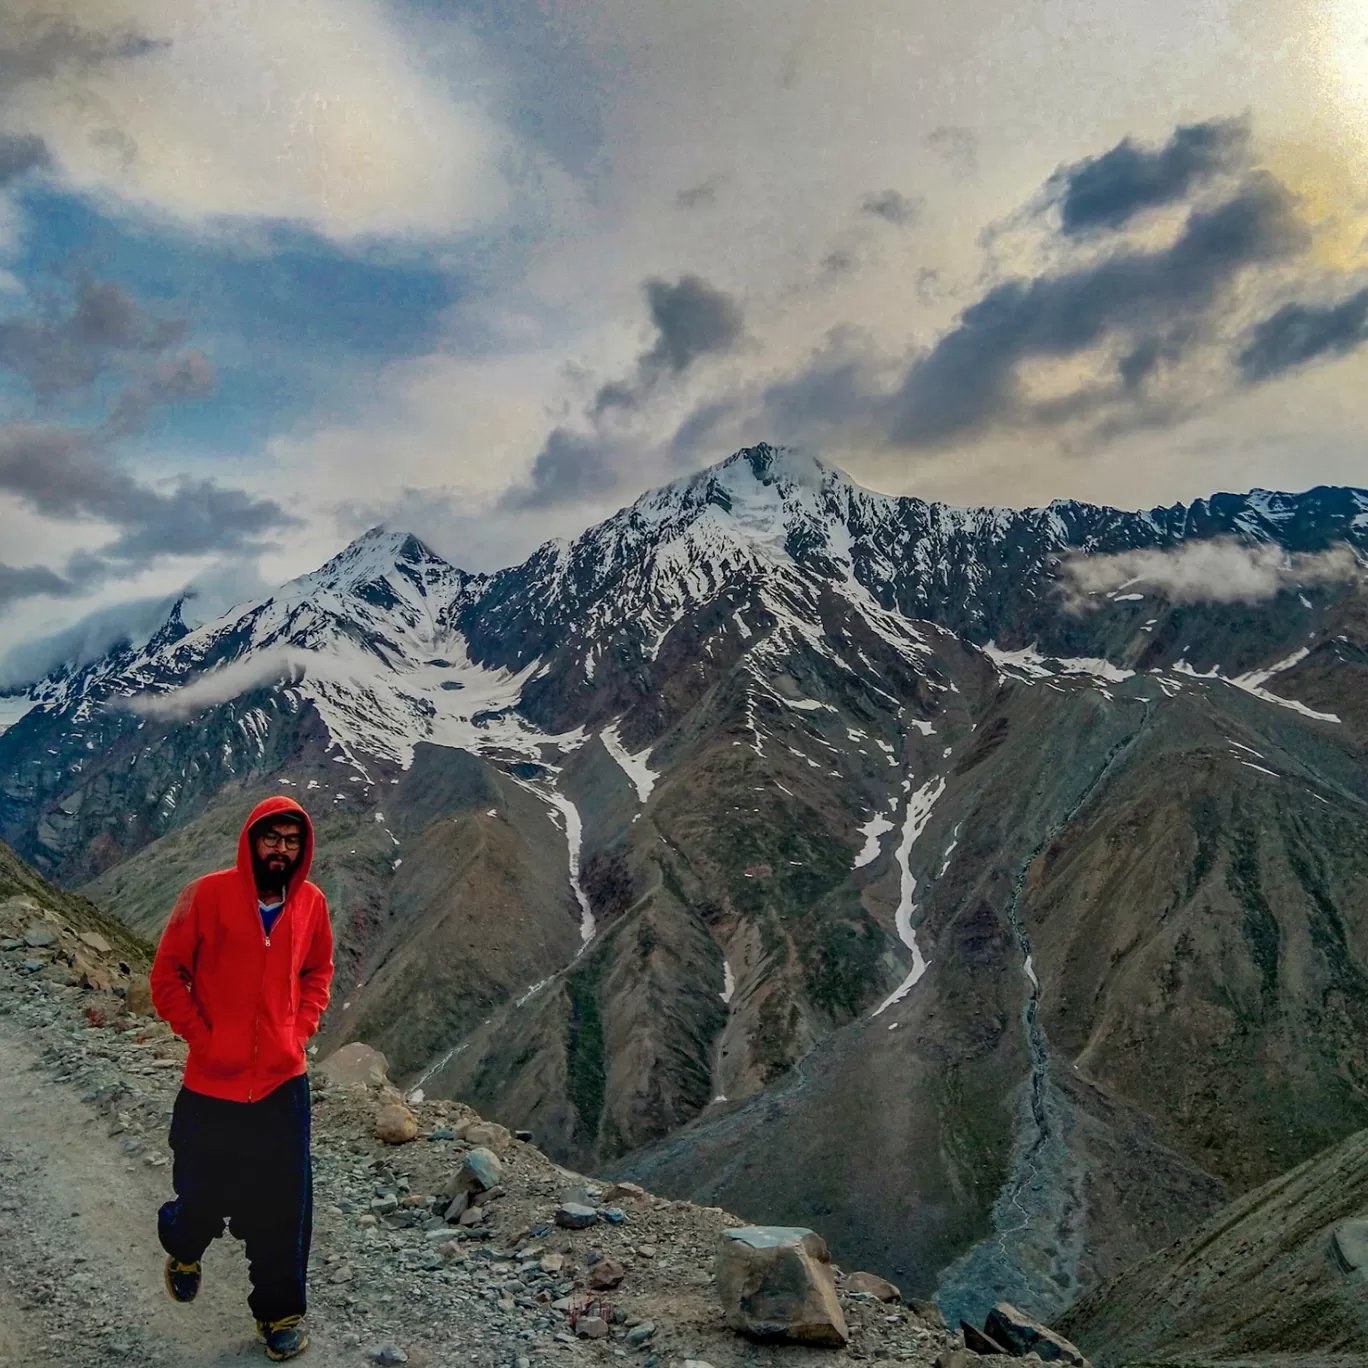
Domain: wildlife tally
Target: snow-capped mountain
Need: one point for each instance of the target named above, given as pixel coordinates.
(773, 786)
(393, 645)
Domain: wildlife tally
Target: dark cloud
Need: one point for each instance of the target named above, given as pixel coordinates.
(568, 468)
(44, 47)
(699, 431)
(968, 380)
(692, 319)
(839, 261)
(65, 346)
(892, 206)
(19, 153)
(700, 196)
(1106, 192)
(1299, 333)
(65, 473)
(837, 391)
(28, 581)
(174, 379)
(956, 147)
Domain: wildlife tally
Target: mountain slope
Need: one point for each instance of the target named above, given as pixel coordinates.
(776, 836)
(1258, 1278)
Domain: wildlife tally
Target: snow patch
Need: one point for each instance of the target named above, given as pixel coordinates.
(1253, 682)
(1029, 661)
(574, 840)
(728, 982)
(636, 769)
(872, 830)
(919, 808)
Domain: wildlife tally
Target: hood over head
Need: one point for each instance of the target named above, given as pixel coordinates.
(276, 807)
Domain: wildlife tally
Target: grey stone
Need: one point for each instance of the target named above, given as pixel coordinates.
(12, 943)
(31, 966)
(576, 1216)
(37, 935)
(776, 1283)
(1021, 1334)
(592, 1327)
(614, 1215)
(639, 1334)
(479, 1171)
(387, 1355)
(1349, 1245)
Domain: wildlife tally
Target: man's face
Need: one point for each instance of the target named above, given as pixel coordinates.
(277, 848)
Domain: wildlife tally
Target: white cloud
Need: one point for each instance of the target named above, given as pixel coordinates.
(1218, 571)
(218, 686)
(312, 110)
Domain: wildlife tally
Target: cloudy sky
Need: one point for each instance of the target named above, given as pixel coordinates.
(272, 271)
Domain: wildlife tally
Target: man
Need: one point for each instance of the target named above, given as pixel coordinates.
(243, 972)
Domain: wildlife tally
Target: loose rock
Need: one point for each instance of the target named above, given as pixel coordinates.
(606, 1274)
(978, 1342)
(480, 1170)
(871, 1285)
(488, 1134)
(591, 1327)
(353, 1064)
(576, 1216)
(1020, 1334)
(395, 1124)
(775, 1283)
(38, 935)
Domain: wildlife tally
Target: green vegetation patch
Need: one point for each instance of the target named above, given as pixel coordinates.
(587, 1079)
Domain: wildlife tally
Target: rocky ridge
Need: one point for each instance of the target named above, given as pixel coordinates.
(391, 1280)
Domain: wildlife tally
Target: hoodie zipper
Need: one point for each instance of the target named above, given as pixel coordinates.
(256, 1020)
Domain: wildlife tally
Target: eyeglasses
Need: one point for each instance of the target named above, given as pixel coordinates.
(275, 840)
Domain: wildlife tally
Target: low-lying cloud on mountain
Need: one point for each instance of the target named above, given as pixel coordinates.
(1219, 571)
(218, 686)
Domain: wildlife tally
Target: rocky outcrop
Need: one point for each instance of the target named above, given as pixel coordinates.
(1020, 1334)
(775, 1283)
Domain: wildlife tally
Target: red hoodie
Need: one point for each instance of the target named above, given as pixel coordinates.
(245, 1001)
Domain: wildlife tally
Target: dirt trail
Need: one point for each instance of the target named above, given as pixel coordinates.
(82, 1267)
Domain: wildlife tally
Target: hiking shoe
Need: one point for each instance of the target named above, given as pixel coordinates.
(182, 1280)
(284, 1338)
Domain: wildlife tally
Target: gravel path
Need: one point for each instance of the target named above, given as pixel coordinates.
(82, 1266)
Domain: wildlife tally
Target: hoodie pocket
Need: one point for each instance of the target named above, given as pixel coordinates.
(226, 1053)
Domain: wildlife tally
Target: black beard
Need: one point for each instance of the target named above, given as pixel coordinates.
(276, 880)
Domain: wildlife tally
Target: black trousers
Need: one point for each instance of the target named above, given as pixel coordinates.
(247, 1163)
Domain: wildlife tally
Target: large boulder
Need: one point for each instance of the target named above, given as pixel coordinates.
(775, 1283)
(395, 1124)
(1020, 1335)
(355, 1064)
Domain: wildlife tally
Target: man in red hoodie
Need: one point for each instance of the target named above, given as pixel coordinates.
(243, 972)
